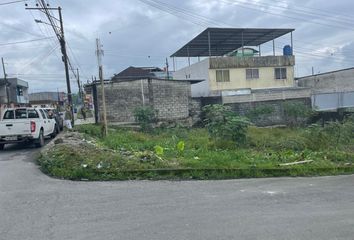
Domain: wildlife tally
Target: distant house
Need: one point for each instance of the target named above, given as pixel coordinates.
(237, 74)
(15, 91)
(47, 99)
(171, 99)
(230, 66)
(131, 73)
(330, 91)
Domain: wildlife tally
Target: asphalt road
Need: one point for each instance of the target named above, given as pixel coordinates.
(34, 206)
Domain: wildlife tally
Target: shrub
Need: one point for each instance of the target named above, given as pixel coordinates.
(223, 124)
(145, 117)
(332, 135)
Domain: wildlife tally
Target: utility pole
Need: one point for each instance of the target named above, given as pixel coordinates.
(78, 82)
(168, 74)
(65, 60)
(59, 32)
(99, 53)
(6, 83)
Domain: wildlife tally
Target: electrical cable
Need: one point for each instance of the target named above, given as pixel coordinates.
(26, 41)
(7, 3)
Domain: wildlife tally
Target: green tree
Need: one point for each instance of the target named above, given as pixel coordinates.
(145, 117)
(224, 124)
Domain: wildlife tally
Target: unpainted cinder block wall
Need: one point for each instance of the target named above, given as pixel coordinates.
(277, 117)
(169, 98)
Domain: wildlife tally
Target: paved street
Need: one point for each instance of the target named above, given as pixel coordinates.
(34, 206)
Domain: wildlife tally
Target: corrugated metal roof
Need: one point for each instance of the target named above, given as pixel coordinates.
(226, 40)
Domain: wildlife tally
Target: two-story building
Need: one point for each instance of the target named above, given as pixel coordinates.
(237, 72)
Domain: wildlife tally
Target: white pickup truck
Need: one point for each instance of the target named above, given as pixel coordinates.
(20, 125)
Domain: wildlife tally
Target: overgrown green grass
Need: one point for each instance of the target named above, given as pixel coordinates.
(132, 154)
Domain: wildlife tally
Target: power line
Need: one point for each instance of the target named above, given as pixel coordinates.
(59, 32)
(323, 12)
(7, 3)
(181, 13)
(27, 41)
(159, 4)
(255, 6)
(41, 58)
(297, 11)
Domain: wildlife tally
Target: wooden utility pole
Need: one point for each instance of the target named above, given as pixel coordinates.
(6, 83)
(99, 53)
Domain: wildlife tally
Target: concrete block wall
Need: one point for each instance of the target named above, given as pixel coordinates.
(269, 95)
(122, 98)
(277, 117)
(169, 98)
(337, 81)
(195, 110)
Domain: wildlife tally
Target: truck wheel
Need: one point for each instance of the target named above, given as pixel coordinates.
(40, 141)
(55, 132)
(2, 146)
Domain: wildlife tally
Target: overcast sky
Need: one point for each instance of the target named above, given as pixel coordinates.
(135, 33)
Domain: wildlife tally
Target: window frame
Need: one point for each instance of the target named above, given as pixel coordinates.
(223, 75)
(29, 111)
(254, 73)
(44, 116)
(282, 75)
(21, 111)
(8, 116)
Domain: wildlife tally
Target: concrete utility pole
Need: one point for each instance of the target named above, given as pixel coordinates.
(59, 32)
(167, 71)
(78, 83)
(65, 60)
(99, 53)
(6, 83)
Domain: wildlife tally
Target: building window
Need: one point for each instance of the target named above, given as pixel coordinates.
(223, 75)
(19, 91)
(252, 73)
(280, 73)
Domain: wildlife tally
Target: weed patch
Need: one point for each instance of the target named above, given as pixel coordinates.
(183, 153)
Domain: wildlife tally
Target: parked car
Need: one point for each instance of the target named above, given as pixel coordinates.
(58, 118)
(19, 125)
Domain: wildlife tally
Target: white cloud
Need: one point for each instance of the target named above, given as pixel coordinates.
(142, 35)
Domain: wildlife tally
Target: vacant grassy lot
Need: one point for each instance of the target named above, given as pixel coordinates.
(182, 153)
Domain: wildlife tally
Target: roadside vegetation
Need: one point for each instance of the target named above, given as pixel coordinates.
(228, 146)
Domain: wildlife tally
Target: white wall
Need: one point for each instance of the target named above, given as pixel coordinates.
(338, 81)
(200, 71)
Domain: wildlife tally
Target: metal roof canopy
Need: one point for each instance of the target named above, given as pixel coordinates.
(220, 41)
